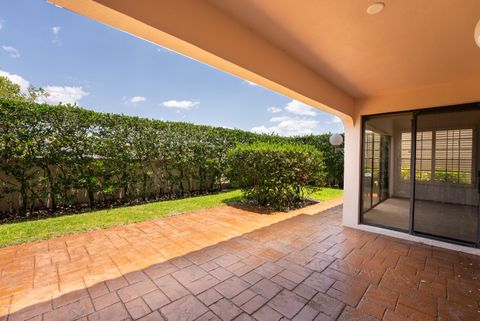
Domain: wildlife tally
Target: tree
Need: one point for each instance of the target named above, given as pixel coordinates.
(11, 90)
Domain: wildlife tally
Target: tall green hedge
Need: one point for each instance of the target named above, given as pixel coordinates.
(332, 157)
(51, 154)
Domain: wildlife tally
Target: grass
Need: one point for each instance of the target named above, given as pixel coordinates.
(326, 194)
(27, 231)
(19, 232)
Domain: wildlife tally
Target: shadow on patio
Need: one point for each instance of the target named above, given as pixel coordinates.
(295, 266)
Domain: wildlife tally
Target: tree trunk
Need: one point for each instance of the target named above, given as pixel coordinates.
(53, 196)
(91, 198)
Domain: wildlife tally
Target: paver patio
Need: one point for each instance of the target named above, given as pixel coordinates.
(230, 264)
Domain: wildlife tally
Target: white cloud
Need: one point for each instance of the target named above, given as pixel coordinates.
(164, 49)
(19, 80)
(181, 104)
(251, 83)
(63, 94)
(1, 24)
(289, 126)
(56, 94)
(301, 122)
(334, 120)
(56, 37)
(262, 130)
(56, 30)
(279, 119)
(274, 110)
(137, 99)
(299, 108)
(12, 51)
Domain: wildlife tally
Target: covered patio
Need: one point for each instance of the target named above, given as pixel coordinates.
(401, 58)
(231, 264)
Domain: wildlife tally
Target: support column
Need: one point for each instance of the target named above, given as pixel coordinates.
(351, 172)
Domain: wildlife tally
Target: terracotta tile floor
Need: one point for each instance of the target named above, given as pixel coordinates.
(229, 264)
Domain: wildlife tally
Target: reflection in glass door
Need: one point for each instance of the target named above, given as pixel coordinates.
(375, 168)
(376, 155)
(446, 175)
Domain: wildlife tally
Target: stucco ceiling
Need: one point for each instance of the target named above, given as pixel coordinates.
(411, 44)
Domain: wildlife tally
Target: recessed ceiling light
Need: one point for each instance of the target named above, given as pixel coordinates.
(375, 8)
(477, 33)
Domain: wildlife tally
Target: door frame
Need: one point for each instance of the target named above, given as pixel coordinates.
(415, 113)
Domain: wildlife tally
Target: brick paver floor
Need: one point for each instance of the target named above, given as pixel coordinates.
(231, 264)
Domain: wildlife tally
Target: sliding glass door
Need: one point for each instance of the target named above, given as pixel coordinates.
(421, 172)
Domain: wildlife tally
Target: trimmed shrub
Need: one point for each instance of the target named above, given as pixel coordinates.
(276, 175)
(332, 156)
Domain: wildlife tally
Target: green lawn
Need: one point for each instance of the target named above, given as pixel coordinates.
(20, 232)
(326, 194)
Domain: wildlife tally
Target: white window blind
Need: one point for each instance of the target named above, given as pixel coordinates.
(442, 156)
(453, 156)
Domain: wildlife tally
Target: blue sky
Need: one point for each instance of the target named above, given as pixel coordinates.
(100, 68)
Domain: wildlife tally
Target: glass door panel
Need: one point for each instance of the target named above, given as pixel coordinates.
(446, 200)
(376, 169)
(367, 169)
(386, 168)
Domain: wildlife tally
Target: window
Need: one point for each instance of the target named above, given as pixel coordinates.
(423, 166)
(453, 156)
(447, 158)
(367, 169)
(375, 170)
(405, 156)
